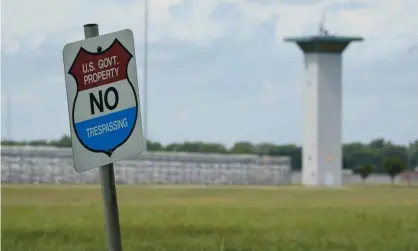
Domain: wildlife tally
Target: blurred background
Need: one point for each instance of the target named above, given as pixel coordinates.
(215, 77)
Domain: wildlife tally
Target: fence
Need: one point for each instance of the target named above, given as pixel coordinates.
(55, 165)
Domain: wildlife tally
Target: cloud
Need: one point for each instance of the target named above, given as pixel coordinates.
(49, 16)
(192, 20)
(380, 22)
(194, 24)
(219, 70)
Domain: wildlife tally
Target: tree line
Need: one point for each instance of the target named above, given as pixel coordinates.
(355, 154)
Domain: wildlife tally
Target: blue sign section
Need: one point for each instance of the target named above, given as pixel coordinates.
(107, 132)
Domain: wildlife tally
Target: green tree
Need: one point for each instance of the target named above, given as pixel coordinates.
(64, 141)
(379, 143)
(213, 148)
(37, 143)
(174, 147)
(154, 146)
(293, 151)
(243, 148)
(412, 154)
(393, 167)
(354, 154)
(364, 171)
(13, 143)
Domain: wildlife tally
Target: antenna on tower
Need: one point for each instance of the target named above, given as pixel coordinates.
(322, 30)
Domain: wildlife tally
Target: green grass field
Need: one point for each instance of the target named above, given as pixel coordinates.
(70, 218)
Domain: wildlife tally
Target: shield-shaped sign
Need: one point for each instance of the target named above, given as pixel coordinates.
(103, 99)
(103, 83)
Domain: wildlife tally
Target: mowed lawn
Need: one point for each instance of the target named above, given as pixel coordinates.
(70, 218)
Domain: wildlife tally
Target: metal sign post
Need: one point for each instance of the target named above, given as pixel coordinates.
(107, 177)
(104, 111)
(110, 204)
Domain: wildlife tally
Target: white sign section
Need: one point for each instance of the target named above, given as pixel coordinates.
(103, 100)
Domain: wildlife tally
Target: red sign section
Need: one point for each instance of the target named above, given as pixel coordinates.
(91, 70)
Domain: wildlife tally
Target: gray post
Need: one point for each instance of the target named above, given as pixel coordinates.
(107, 177)
(407, 155)
(145, 84)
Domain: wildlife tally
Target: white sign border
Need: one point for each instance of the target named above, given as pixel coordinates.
(84, 159)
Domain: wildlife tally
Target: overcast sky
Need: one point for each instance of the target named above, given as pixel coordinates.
(218, 70)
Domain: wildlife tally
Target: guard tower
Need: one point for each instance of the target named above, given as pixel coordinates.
(322, 103)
